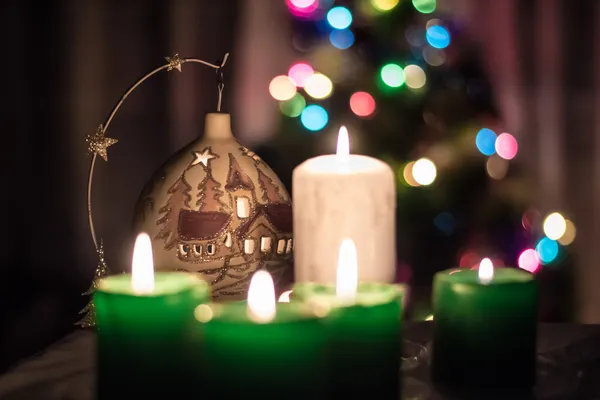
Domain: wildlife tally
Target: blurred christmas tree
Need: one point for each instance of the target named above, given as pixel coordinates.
(410, 87)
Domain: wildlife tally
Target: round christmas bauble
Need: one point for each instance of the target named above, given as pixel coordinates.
(216, 209)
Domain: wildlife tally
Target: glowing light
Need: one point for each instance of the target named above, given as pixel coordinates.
(414, 76)
(486, 141)
(433, 22)
(529, 260)
(304, 3)
(341, 39)
(486, 271)
(547, 250)
(424, 6)
(496, 167)
(408, 175)
(569, 234)
(302, 8)
(507, 146)
(434, 57)
(424, 171)
(429, 318)
(261, 297)
(299, 73)
(203, 313)
(362, 104)
(339, 17)
(392, 75)
(347, 271)
(293, 107)
(142, 265)
(469, 259)
(314, 117)
(384, 5)
(437, 36)
(282, 88)
(343, 143)
(318, 86)
(285, 296)
(555, 226)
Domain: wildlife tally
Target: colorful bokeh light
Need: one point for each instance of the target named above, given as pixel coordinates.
(414, 76)
(507, 146)
(314, 117)
(569, 235)
(434, 57)
(529, 260)
(424, 171)
(438, 36)
(496, 167)
(282, 88)
(299, 73)
(341, 38)
(555, 226)
(318, 86)
(339, 17)
(302, 8)
(424, 6)
(384, 5)
(486, 141)
(547, 250)
(294, 106)
(362, 104)
(392, 75)
(407, 174)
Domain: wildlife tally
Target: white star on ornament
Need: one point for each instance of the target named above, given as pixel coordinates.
(203, 157)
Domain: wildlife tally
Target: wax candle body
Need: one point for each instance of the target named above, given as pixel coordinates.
(485, 334)
(146, 342)
(281, 359)
(364, 338)
(334, 200)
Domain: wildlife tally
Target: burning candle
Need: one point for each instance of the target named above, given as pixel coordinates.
(261, 349)
(338, 196)
(363, 323)
(145, 321)
(485, 328)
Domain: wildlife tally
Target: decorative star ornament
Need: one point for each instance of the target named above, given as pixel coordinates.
(203, 157)
(98, 143)
(174, 62)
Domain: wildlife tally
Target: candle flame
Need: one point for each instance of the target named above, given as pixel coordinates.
(486, 271)
(142, 266)
(261, 297)
(285, 297)
(347, 271)
(343, 143)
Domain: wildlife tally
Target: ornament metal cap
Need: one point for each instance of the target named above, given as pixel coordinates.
(218, 126)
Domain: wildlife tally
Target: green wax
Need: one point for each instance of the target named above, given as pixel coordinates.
(145, 341)
(364, 350)
(280, 359)
(485, 334)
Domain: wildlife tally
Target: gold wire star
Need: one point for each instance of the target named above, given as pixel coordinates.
(98, 143)
(174, 62)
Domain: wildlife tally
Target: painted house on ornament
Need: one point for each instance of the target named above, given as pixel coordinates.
(268, 233)
(204, 235)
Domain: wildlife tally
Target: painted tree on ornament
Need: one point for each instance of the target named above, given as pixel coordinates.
(270, 190)
(180, 194)
(210, 193)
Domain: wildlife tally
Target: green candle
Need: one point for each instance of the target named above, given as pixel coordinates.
(145, 332)
(485, 328)
(364, 336)
(268, 353)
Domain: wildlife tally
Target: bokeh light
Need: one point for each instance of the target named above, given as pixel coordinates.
(414, 76)
(507, 146)
(362, 104)
(496, 167)
(299, 73)
(529, 260)
(486, 141)
(314, 117)
(339, 17)
(302, 8)
(407, 174)
(392, 75)
(318, 86)
(547, 250)
(282, 88)
(469, 259)
(434, 57)
(341, 38)
(304, 3)
(438, 36)
(424, 171)
(294, 106)
(569, 235)
(384, 5)
(445, 222)
(555, 226)
(424, 6)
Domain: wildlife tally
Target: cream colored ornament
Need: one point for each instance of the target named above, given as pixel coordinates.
(218, 210)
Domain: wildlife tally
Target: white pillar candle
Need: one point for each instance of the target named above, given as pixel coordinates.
(342, 196)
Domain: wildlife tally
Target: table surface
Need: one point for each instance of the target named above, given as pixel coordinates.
(569, 367)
